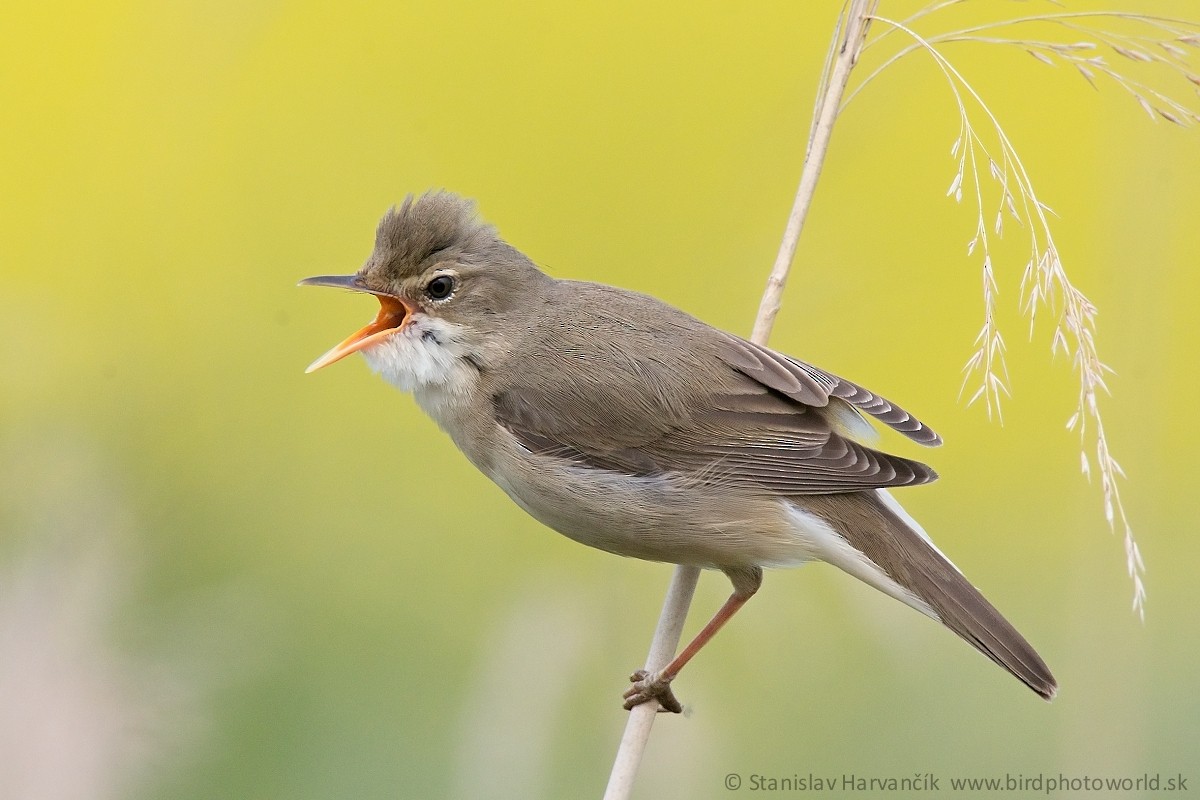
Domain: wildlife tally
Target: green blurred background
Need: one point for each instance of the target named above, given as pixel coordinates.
(220, 577)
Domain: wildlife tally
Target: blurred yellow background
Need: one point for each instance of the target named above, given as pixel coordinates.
(220, 577)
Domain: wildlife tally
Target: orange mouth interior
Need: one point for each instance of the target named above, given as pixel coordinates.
(391, 317)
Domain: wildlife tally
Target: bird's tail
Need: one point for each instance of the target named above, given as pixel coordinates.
(875, 525)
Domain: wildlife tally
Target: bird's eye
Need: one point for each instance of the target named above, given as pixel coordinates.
(440, 287)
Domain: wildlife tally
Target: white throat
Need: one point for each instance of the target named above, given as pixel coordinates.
(431, 358)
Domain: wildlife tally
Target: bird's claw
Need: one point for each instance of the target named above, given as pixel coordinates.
(647, 687)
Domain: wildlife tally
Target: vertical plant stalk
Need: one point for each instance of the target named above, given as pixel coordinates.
(848, 39)
(843, 56)
(662, 650)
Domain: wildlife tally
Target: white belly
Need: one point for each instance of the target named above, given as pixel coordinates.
(658, 518)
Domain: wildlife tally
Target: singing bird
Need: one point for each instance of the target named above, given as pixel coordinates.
(630, 426)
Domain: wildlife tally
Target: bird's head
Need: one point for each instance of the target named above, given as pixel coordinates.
(442, 277)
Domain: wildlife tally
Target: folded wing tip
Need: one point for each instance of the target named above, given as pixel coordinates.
(928, 437)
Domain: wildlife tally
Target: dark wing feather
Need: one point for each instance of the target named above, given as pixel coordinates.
(746, 435)
(808, 384)
(718, 409)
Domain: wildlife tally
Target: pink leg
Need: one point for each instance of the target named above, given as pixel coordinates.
(657, 686)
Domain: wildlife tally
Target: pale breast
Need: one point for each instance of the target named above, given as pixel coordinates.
(428, 357)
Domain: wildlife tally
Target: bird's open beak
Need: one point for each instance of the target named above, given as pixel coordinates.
(391, 316)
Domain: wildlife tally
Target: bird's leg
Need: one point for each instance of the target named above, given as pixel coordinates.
(649, 686)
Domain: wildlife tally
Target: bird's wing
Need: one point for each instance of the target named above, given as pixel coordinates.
(729, 413)
(809, 385)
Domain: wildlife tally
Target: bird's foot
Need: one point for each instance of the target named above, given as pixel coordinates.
(647, 687)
